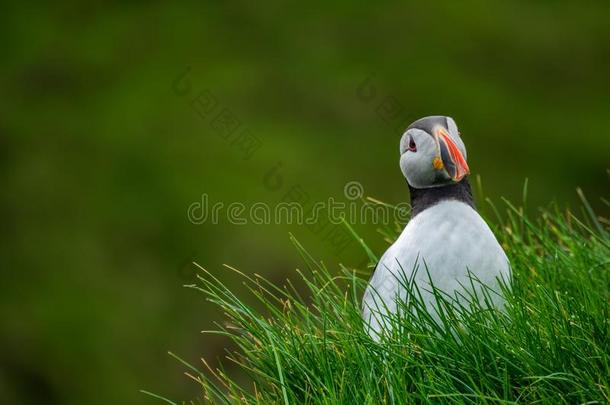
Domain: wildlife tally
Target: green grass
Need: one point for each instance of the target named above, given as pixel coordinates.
(549, 346)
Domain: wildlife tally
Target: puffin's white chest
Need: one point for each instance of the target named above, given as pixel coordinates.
(444, 244)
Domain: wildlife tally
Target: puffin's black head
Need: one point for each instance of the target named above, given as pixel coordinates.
(432, 153)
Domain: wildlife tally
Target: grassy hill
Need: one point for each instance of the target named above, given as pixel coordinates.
(551, 345)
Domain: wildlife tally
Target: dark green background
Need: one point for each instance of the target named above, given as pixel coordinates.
(100, 158)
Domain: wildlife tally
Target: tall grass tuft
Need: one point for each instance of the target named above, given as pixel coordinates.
(549, 345)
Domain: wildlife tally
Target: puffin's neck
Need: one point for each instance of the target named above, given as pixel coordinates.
(423, 198)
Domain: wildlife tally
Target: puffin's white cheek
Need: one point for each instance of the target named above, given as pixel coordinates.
(404, 165)
(410, 167)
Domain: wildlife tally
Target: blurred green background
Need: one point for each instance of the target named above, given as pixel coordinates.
(102, 151)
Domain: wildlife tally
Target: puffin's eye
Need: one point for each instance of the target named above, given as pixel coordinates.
(412, 145)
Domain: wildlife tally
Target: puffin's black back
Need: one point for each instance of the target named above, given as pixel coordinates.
(424, 198)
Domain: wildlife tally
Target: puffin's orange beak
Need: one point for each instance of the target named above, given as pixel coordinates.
(452, 157)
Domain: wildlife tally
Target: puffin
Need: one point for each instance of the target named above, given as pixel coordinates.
(446, 247)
